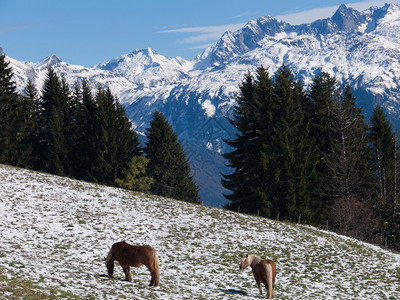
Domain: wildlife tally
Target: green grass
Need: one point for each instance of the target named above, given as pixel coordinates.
(12, 286)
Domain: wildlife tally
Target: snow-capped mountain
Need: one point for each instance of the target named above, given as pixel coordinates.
(143, 66)
(361, 48)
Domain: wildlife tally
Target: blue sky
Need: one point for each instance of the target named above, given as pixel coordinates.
(88, 32)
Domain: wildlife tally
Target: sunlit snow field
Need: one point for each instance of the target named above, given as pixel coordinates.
(54, 232)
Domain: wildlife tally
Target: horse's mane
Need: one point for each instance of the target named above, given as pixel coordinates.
(118, 243)
(254, 259)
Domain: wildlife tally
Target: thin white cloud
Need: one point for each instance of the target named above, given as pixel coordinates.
(166, 28)
(308, 16)
(205, 29)
(201, 38)
(17, 27)
(205, 46)
(203, 35)
(246, 14)
(326, 12)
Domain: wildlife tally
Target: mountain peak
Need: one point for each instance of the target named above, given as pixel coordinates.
(49, 61)
(233, 44)
(347, 19)
(145, 51)
(342, 7)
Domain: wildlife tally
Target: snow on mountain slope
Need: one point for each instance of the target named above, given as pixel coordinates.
(361, 48)
(36, 72)
(55, 232)
(140, 66)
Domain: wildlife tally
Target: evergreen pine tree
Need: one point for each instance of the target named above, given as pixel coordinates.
(383, 143)
(11, 117)
(127, 141)
(68, 119)
(116, 141)
(294, 157)
(69, 125)
(135, 177)
(84, 160)
(168, 165)
(28, 108)
(249, 193)
(104, 170)
(235, 181)
(386, 160)
(273, 158)
(52, 148)
(318, 107)
(258, 146)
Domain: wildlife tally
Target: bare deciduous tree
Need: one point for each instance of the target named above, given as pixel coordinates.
(355, 218)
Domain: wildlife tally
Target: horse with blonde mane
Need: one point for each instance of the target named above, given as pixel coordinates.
(134, 256)
(264, 271)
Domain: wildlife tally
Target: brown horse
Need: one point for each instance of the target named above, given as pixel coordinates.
(264, 271)
(134, 256)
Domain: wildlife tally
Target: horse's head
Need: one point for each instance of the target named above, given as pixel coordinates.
(109, 263)
(244, 262)
(110, 267)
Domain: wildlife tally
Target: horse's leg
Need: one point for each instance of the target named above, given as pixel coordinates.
(273, 289)
(128, 274)
(153, 281)
(156, 279)
(268, 291)
(259, 287)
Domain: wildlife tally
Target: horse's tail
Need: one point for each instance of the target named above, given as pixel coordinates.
(270, 292)
(156, 266)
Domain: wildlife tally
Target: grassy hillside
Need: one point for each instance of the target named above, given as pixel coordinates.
(54, 233)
